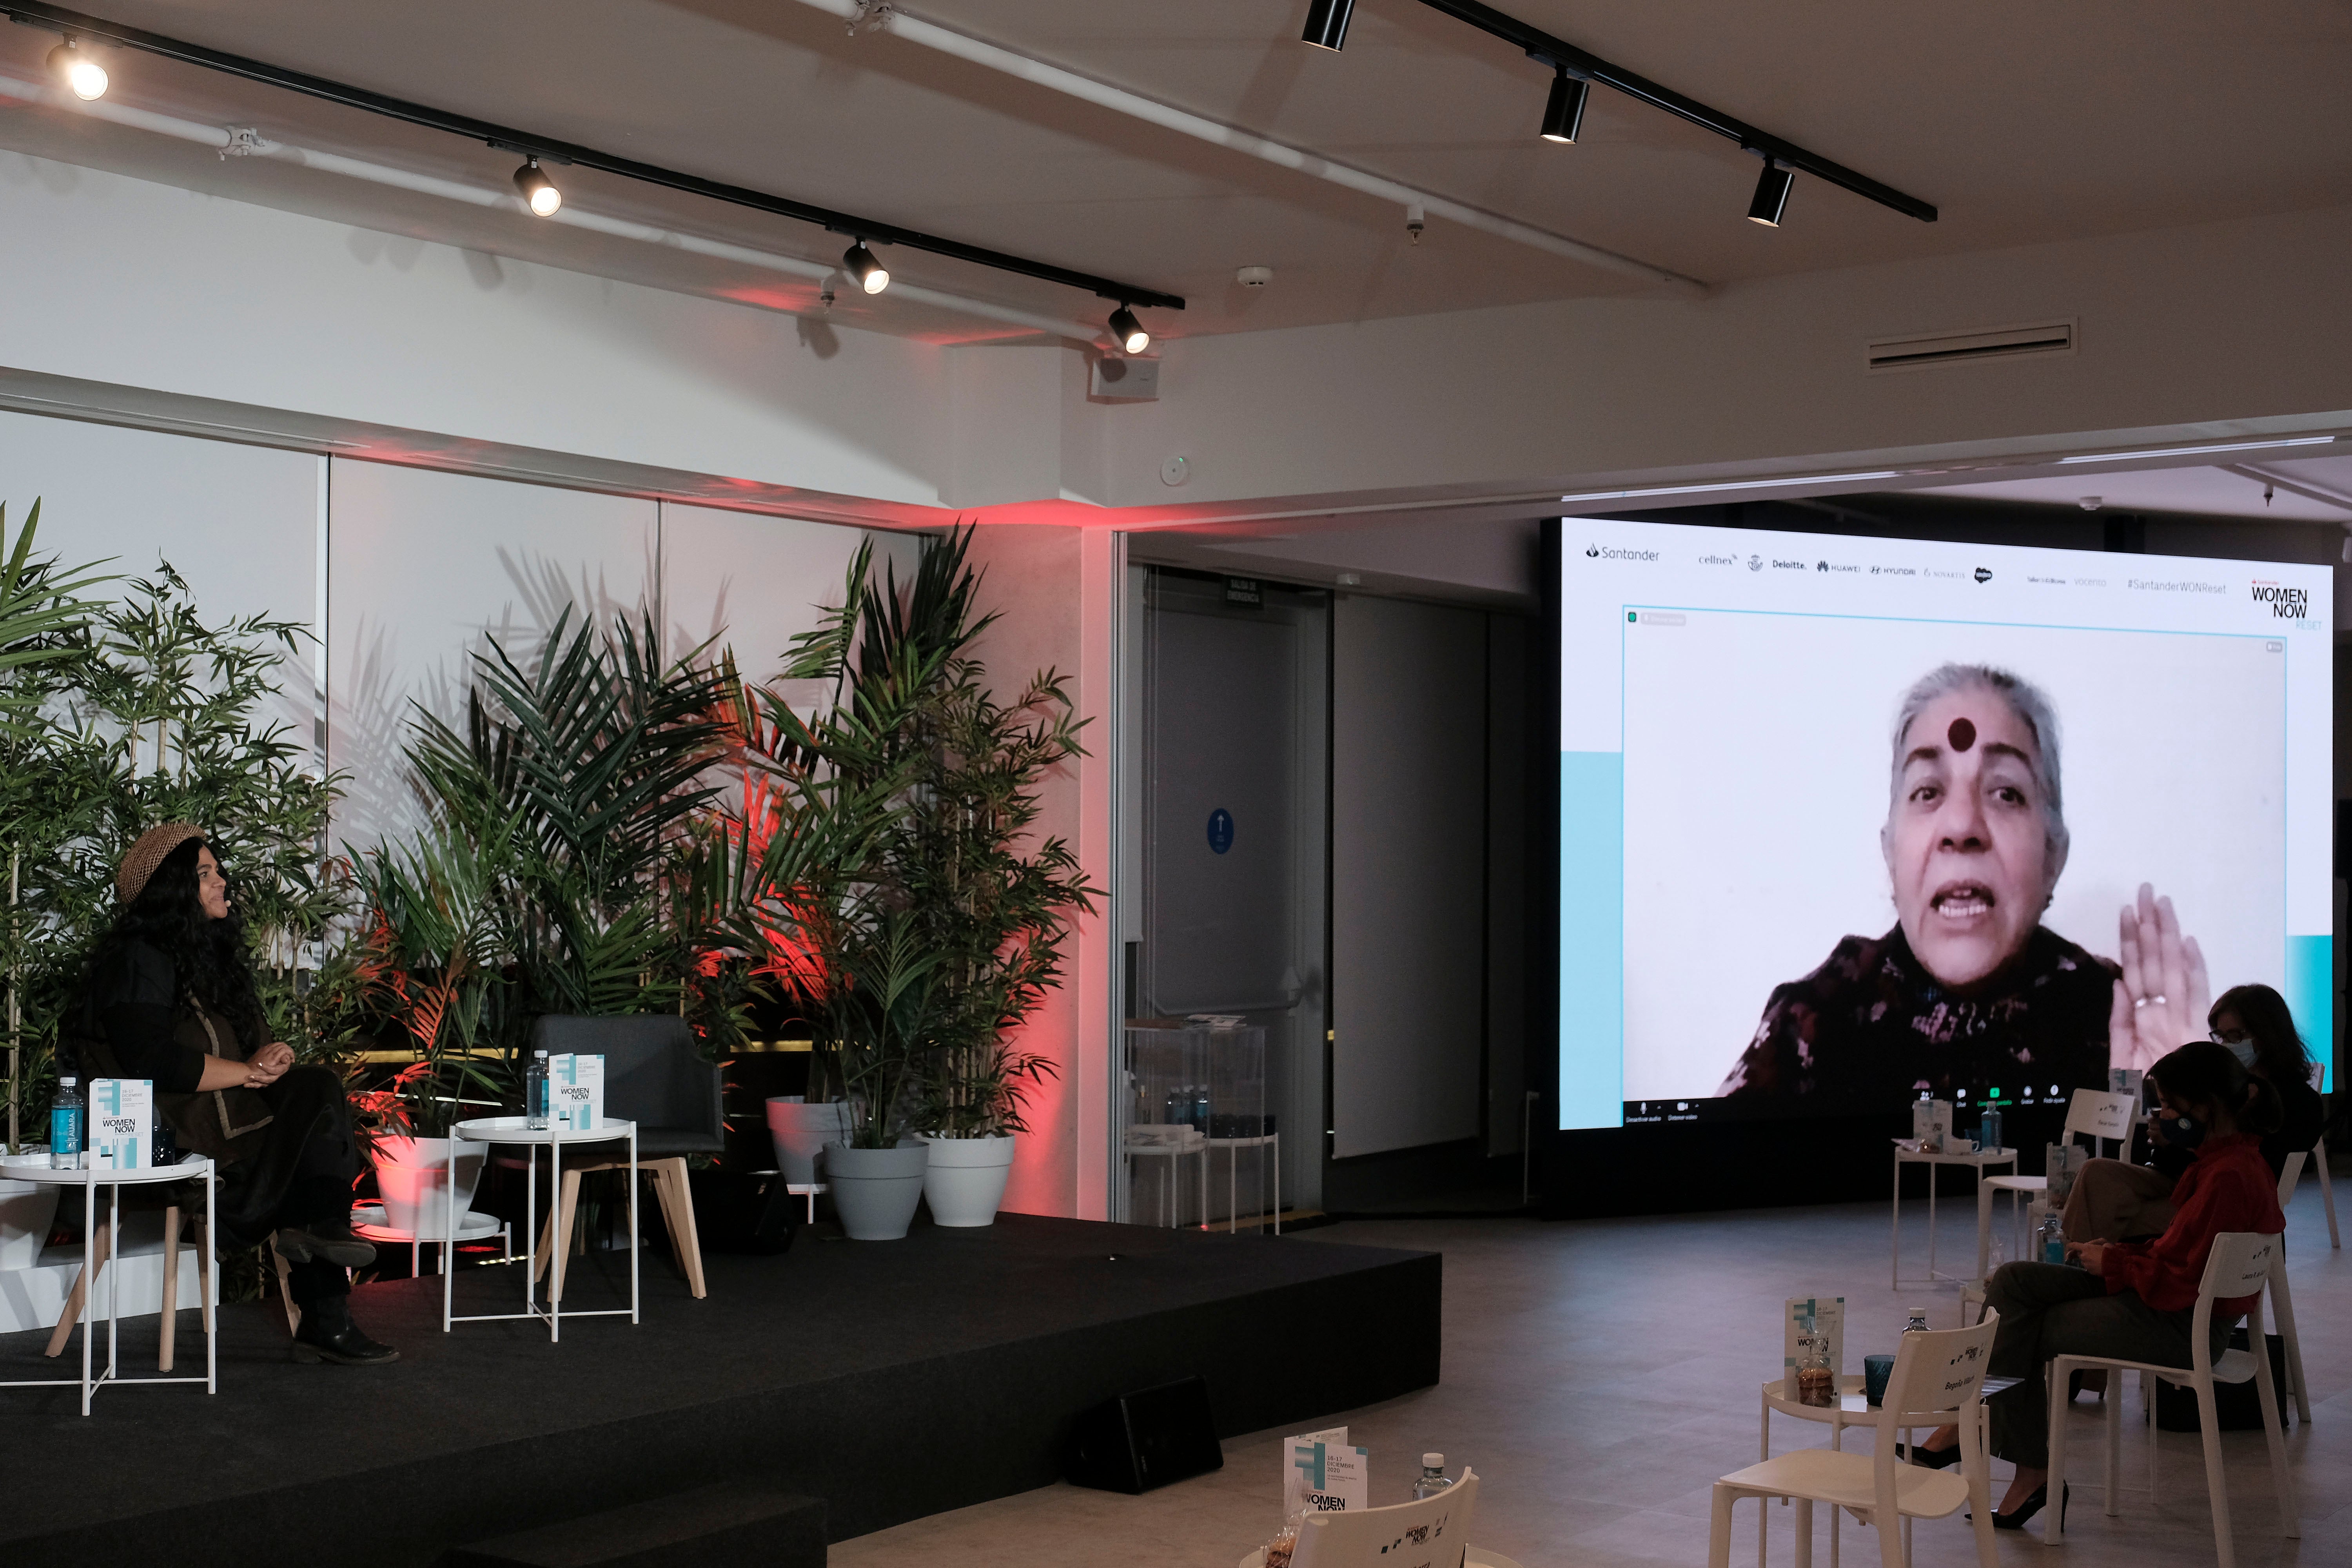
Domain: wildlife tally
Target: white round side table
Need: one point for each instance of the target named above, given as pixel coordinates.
(516, 1129)
(196, 1167)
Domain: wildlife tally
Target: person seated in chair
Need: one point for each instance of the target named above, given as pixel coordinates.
(2134, 1301)
(2115, 1200)
(169, 996)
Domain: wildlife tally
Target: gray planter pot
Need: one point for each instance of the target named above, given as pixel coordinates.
(875, 1191)
(800, 1131)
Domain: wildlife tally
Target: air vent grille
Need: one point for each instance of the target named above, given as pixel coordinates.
(1958, 348)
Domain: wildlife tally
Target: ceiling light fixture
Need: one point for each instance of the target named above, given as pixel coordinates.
(1771, 195)
(866, 268)
(1327, 23)
(2200, 451)
(1734, 485)
(87, 30)
(84, 75)
(538, 191)
(1564, 110)
(1128, 331)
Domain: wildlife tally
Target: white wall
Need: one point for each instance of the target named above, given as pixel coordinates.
(240, 525)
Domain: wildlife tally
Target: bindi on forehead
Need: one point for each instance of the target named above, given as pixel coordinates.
(1962, 735)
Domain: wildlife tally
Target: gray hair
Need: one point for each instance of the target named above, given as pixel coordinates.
(2032, 709)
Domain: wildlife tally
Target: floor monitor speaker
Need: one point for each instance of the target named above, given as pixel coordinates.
(1146, 1439)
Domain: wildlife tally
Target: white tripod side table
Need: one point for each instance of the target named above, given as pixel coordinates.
(515, 1130)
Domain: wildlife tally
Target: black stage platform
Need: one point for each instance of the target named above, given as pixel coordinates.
(890, 1379)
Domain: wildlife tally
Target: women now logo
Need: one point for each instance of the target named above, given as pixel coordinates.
(2286, 604)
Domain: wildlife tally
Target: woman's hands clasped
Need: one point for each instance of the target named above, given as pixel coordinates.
(2162, 997)
(268, 1065)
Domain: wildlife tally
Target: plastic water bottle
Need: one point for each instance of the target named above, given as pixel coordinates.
(1432, 1477)
(534, 1092)
(1918, 1323)
(2050, 1240)
(69, 1116)
(1989, 1130)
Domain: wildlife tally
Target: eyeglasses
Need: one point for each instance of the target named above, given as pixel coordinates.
(2233, 1037)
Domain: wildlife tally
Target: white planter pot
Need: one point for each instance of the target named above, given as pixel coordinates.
(412, 1173)
(875, 1191)
(801, 1131)
(964, 1183)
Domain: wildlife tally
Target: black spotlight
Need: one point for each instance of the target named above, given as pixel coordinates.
(1128, 331)
(1327, 23)
(536, 189)
(1771, 195)
(1564, 110)
(866, 267)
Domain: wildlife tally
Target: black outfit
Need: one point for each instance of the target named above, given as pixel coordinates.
(1871, 1029)
(2298, 1133)
(286, 1153)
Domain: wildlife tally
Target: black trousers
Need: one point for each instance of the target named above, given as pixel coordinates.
(301, 1175)
(2050, 1310)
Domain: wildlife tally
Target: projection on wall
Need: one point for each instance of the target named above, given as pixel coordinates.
(1844, 819)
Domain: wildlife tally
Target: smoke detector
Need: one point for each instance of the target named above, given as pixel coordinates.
(2091, 503)
(1255, 277)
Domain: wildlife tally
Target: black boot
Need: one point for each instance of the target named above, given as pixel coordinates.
(327, 1240)
(327, 1333)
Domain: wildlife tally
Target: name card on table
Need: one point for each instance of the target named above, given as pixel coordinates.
(576, 1092)
(1811, 1316)
(1931, 1125)
(1321, 1474)
(122, 1123)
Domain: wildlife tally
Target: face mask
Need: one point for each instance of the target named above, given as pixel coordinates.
(2185, 1133)
(2244, 1051)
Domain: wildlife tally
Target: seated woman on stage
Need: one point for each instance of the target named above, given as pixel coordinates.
(2115, 1200)
(2130, 1299)
(170, 996)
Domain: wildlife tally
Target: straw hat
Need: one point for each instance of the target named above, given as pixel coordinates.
(139, 862)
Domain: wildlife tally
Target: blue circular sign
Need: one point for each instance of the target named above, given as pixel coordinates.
(1221, 830)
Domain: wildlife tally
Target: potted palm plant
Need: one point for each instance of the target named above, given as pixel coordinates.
(951, 873)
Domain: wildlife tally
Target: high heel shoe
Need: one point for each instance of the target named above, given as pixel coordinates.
(2030, 1507)
(1929, 1459)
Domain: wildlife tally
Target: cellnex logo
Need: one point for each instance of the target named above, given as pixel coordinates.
(1598, 553)
(2286, 604)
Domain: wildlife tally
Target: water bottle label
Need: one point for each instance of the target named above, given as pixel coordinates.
(65, 1131)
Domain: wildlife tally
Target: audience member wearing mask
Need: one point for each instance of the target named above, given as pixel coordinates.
(2115, 1200)
(2134, 1301)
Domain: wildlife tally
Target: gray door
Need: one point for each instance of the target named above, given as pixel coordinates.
(1232, 785)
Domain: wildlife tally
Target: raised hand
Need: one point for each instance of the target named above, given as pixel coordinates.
(2163, 994)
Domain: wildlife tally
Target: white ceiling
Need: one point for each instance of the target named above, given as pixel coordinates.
(2316, 489)
(2023, 123)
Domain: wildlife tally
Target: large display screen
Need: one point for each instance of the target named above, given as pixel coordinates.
(1844, 819)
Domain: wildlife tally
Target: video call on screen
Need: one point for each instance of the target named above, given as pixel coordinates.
(1844, 820)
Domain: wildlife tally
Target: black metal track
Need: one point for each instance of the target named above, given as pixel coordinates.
(59, 20)
(1553, 51)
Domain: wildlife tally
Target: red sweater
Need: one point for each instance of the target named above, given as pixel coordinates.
(2230, 1188)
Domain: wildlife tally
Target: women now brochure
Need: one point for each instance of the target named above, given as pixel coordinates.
(1814, 1316)
(1321, 1474)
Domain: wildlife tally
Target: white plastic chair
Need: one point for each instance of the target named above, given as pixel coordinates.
(1938, 1379)
(2092, 1113)
(2319, 1160)
(2282, 1306)
(2243, 1263)
(1431, 1533)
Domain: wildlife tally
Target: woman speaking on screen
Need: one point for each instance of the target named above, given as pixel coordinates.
(1970, 990)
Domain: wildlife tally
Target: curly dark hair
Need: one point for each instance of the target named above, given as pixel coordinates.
(210, 960)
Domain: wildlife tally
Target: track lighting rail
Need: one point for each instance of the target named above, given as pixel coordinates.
(870, 231)
(1563, 55)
